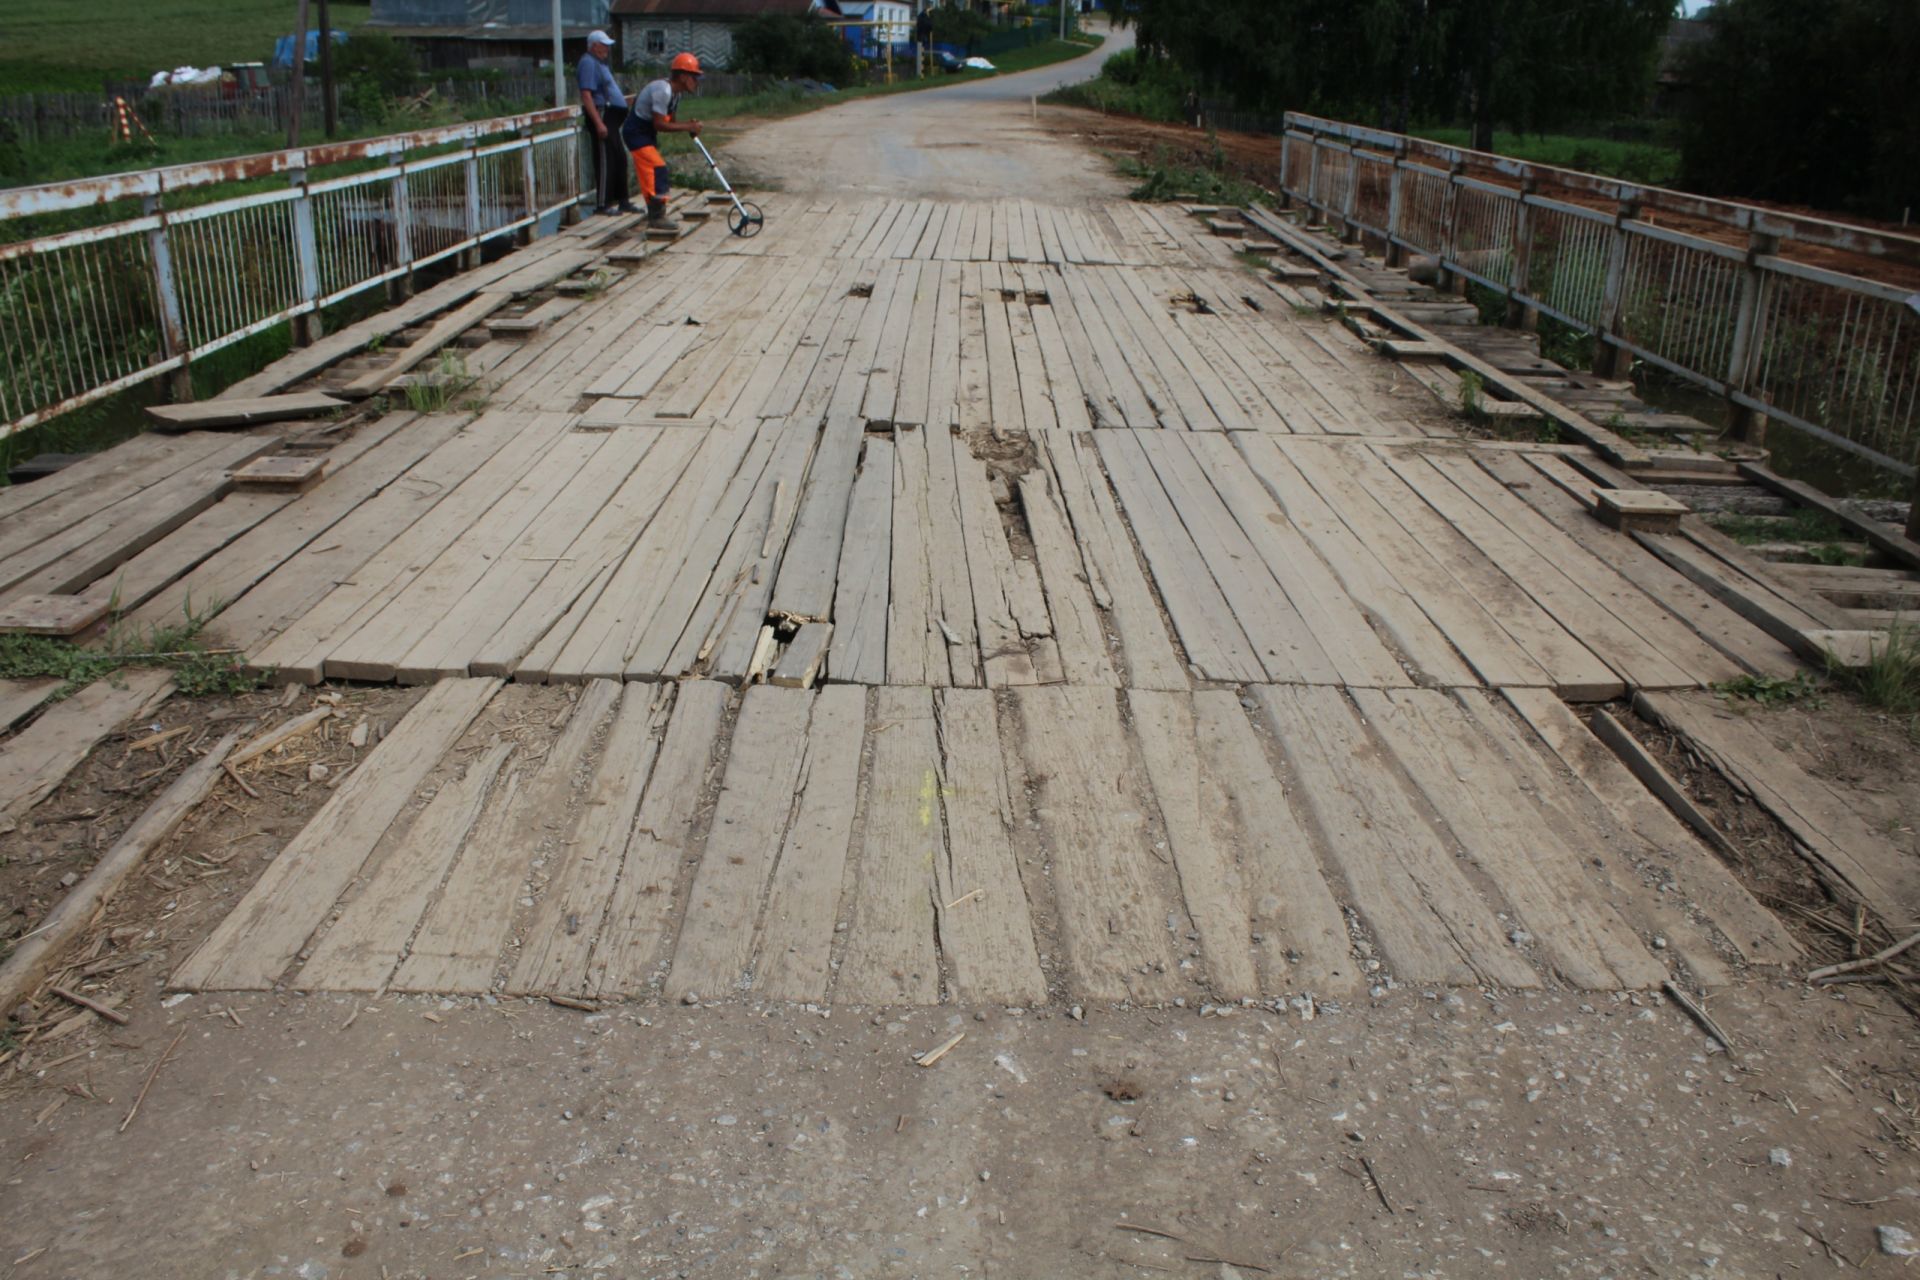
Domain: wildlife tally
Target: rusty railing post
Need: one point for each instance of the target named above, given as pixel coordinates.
(470, 167)
(1445, 279)
(1519, 314)
(532, 203)
(1396, 195)
(1610, 359)
(307, 326)
(400, 209)
(1348, 232)
(1746, 424)
(166, 293)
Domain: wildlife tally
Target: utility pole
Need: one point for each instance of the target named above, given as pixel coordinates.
(299, 76)
(326, 71)
(1063, 19)
(559, 70)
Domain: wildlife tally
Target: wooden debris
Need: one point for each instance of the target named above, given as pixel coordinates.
(763, 647)
(281, 734)
(800, 665)
(1699, 1015)
(932, 1056)
(109, 1013)
(1864, 962)
(151, 1077)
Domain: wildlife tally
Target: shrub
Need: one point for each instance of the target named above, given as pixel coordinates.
(790, 47)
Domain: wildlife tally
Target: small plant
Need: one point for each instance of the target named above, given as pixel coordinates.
(597, 284)
(1772, 691)
(1890, 679)
(433, 393)
(198, 670)
(1472, 395)
(376, 344)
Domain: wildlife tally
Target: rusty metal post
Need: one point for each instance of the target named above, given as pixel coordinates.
(307, 326)
(1610, 359)
(1748, 425)
(531, 210)
(400, 288)
(1519, 314)
(166, 293)
(470, 166)
(1348, 232)
(1445, 280)
(1396, 255)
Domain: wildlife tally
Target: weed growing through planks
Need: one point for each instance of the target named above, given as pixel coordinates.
(376, 344)
(1821, 537)
(1472, 395)
(597, 284)
(197, 669)
(1772, 691)
(1163, 180)
(440, 388)
(1891, 678)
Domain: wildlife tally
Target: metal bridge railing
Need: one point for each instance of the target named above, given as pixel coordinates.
(1721, 294)
(90, 312)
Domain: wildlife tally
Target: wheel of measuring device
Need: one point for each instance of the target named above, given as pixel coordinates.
(745, 219)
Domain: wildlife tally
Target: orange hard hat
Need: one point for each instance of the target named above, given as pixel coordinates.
(686, 62)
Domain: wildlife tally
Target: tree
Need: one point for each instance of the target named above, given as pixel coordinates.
(1806, 103)
(779, 44)
(1524, 64)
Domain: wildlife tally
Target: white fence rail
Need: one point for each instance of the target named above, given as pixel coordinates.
(1723, 295)
(87, 313)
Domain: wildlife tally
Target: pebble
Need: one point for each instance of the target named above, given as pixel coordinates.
(691, 998)
(1780, 1158)
(1077, 1014)
(1897, 1242)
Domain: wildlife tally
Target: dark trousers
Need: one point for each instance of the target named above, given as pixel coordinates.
(610, 162)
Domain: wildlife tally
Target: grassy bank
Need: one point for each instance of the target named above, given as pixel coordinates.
(1632, 161)
(54, 46)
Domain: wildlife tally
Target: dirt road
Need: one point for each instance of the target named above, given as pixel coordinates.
(974, 140)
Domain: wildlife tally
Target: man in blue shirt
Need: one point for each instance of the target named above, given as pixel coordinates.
(605, 108)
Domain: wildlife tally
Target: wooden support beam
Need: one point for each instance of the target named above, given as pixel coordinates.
(1884, 538)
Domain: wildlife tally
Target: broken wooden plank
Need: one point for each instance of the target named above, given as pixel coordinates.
(801, 664)
(43, 615)
(298, 474)
(38, 758)
(201, 415)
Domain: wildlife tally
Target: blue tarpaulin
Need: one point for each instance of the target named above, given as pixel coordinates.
(283, 47)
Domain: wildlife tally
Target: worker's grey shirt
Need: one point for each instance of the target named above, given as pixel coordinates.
(655, 100)
(597, 79)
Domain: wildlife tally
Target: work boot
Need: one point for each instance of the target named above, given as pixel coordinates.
(657, 216)
(626, 206)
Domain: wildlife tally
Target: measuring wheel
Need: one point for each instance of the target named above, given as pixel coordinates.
(745, 218)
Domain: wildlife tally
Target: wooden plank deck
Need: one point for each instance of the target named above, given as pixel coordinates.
(1149, 634)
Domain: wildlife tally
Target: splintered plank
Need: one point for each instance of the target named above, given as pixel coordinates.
(21, 698)
(1201, 614)
(860, 593)
(1475, 791)
(200, 415)
(1864, 862)
(763, 769)
(1003, 655)
(560, 940)
(39, 757)
(252, 947)
(1300, 937)
(361, 950)
(1077, 628)
(916, 647)
(1211, 880)
(1402, 877)
(986, 927)
(803, 591)
(890, 957)
(461, 939)
(639, 920)
(1704, 880)
(1113, 905)
(792, 956)
(1113, 572)
(800, 665)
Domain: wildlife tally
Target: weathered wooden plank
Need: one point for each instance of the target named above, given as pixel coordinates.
(1505, 834)
(37, 759)
(21, 698)
(634, 940)
(252, 947)
(560, 940)
(1113, 903)
(803, 591)
(749, 820)
(1404, 881)
(1212, 881)
(792, 957)
(985, 923)
(801, 664)
(460, 941)
(861, 591)
(367, 942)
(1077, 626)
(204, 415)
(1300, 941)
(891, 956)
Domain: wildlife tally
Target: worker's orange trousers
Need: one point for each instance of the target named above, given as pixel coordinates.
(650, 167)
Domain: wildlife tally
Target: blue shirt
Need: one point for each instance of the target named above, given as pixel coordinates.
(597, 79)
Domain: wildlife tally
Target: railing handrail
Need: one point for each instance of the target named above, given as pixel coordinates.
(85, 193)
(1747, 219)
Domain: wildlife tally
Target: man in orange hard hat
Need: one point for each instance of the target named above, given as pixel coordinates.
(654, 110)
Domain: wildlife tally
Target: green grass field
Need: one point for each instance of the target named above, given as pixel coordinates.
(57, 46)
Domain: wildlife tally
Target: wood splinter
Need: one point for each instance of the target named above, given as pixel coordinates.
(110, 1014)
(932, 1056)
(1698, 1014)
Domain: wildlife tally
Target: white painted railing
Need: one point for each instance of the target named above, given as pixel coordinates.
(1721, 294)
(89, 312)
